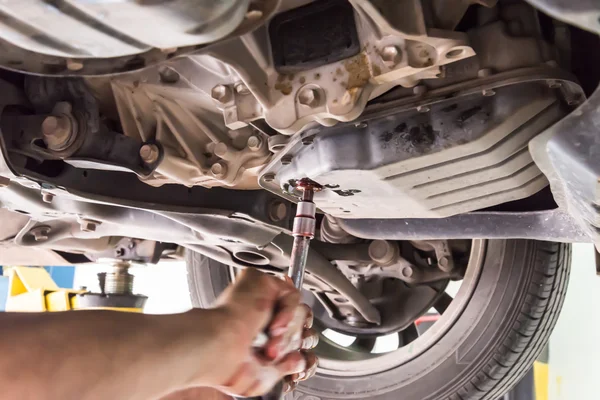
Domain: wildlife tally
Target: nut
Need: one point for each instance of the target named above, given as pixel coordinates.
(149, 153)
(254, 143)
(390, 55)
(309, 97)
(221, 93)
(218, 170)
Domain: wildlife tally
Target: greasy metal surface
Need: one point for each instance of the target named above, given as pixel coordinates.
(552, 225)
(582, 13)
(97, 37)
(467, 152)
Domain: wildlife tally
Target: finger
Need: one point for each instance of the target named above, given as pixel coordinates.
(289, 385)
(269, 375)
(309, 316)
(242, 381)
(312, 362)
(287, 310)
(310, 339)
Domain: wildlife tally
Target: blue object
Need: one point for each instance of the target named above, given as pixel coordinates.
(62, 276)
(3, 292)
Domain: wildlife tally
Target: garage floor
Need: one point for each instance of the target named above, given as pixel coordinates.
(574, 351)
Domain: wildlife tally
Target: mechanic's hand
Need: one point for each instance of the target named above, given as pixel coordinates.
(261, 303)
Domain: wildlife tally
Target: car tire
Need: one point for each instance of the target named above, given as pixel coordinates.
(504, 326)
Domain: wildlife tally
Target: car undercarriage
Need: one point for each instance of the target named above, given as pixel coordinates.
(434, 127)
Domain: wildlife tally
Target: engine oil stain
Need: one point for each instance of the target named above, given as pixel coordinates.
(358, 71)
(418, 139)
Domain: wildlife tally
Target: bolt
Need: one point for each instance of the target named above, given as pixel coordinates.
(57, 131)
(309, 97)
(218, 170)
(240, 88)
(423, 109)
(390, 55)
(407, 272)
(553, 84)
(40, 233)
(270, 177)
(277, 211)
(307, 141)
(286, 160)
(149, 153)
(87, 225)
(482, 73)
(221, 93)
(488, 92)
(420, 90)
(74, 65)
(47, 197)
(168, 75)
(360, 125)
(254, 143)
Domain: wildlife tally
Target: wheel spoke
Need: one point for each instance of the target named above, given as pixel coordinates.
(408, 335)
(443, 302)
(364, 344)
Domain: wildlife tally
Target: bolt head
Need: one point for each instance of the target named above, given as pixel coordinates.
(221, 93)
(149, 153)
(57, 131)
(168, 75)
(254, 143)
(309, 97)
(240, 88)
(407, 272)
(390, 55)
(218, 170)
(270, 177)
(277, 211)
(420, 90)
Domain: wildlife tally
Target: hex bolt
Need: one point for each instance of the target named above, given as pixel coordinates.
(484, 72)
(277, 211)
(270, 177)
(240, 88)
(168, 75)
(553, 84)
(40, 233)
(221, 93)
(308, 140)
(254, 143)
(488, 92)
(420, 90)
(87, 225)
(47, 197)
(286, 160)
(57, 131)
(423, 109)
(390, 55)
(149, 153)
(309, 97)
(218, 170)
